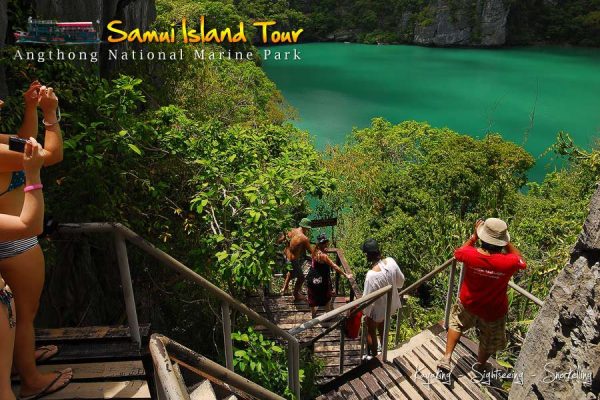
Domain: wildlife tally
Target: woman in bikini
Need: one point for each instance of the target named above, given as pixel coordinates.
(22, 260)
(318, 279)
(29, 223)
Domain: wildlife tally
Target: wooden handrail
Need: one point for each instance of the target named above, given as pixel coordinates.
(426, 277)
(525, 293)
(346, 267)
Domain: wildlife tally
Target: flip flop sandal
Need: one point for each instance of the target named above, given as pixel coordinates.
(47, 351)
(47, 390)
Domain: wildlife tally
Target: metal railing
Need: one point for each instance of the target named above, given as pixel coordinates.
(168, 356)
(122, 234)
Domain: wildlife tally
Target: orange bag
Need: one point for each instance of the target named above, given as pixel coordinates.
(353, 325)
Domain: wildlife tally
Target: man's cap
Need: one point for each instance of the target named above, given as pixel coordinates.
(494, 231)
(370, 246)
(305, 223)
(322, 238)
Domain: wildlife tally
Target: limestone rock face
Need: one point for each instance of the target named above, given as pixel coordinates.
(462, 23)
(560, 358)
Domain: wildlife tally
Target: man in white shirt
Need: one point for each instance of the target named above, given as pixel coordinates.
(383, 272)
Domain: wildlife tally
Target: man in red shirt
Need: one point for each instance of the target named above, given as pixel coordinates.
(483, 303)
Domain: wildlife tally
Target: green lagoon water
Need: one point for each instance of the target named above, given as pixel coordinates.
(338, 86)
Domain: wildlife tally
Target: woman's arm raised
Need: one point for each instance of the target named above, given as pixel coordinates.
(29, 126)
(31, 220)
(53, 144)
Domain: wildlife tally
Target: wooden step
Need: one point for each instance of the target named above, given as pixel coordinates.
(203, 391)
(413, 374)
(120, 370)
(137, 389)
(88, 333)
(81, 352)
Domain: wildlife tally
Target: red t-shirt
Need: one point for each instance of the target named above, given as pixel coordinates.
(484, 287)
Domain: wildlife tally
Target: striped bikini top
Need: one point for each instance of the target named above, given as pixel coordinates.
(17, 180)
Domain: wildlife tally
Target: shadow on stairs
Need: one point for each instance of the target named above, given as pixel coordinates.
(412, 374)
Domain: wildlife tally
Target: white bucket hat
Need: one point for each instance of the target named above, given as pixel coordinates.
(494, 231)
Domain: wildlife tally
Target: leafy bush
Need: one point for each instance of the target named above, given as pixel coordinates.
(263, 361)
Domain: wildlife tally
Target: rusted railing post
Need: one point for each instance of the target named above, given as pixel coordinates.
(386, 324)
(461, 278)
(294, 367)
(449, 294)
(363, 336)
(227, 343)
(398, 315)
(342, 343)
(127, 286)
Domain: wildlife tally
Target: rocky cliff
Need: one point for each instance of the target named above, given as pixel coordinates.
(560, 358)
(461, 23)
(428, 22)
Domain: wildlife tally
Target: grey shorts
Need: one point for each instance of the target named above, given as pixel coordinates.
(297, 268)
(16, 247)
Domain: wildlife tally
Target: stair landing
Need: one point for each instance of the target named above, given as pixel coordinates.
(105, 363)
(411, 375)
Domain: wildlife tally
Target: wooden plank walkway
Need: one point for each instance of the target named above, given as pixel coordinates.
(412, 374)
(106, 364)
(287, 314)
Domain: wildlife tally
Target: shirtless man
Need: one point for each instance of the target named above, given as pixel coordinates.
(298, 244)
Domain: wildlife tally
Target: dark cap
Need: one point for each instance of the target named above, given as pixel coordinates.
(370, 246)
(305, 223)
(322, 238)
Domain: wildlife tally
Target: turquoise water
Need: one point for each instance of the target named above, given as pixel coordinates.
(338, 86)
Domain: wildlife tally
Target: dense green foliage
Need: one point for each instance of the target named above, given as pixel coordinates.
(196, 157)
(261, 360)
(418, 190)
(564, 21)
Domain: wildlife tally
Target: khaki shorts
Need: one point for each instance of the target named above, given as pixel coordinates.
(492, 335)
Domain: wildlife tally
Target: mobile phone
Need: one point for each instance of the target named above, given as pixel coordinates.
(16, 144)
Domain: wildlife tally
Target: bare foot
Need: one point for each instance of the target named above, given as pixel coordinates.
(47, 383)
(42, 353)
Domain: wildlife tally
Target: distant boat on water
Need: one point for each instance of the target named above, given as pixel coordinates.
(54, 32)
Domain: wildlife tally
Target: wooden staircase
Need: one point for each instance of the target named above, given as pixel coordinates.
(106, 363)
(287, 314)
(412, 374)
